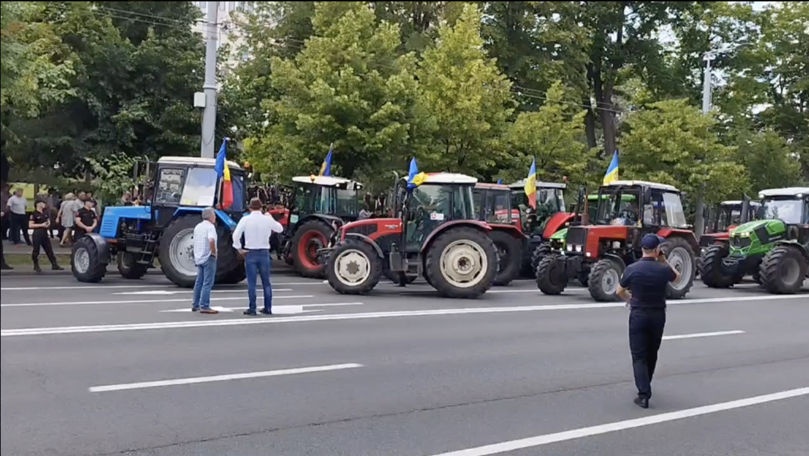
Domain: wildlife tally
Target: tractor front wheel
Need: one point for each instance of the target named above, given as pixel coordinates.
(461, 263)
(542, 250)
(711, 269)
(128, 266)
(551, 275)
(353, 268)
(783, 270)
(85, 261)
(508, 257)
(176, 252)
(604, 279)
(680, 256)
(309, 238)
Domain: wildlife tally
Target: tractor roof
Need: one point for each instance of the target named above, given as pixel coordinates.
(737, 203)
(489, 186)
(787, 191)
(198, 161)
(521, 184)
(326, 181)
(640, 183)
(448, 178)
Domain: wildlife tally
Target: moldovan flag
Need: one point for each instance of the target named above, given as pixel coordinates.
(325, 168)
(612, 170)
(414, 177)
(224, 174)
(531, 185)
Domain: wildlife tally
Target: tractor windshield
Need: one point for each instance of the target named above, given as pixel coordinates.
(729, 215)
(788, 209)
(493, 206)
(200, 187)
(617, 206)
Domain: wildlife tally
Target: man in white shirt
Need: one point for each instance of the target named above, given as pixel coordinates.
(19, 222)
(257, 229)
(205, 259)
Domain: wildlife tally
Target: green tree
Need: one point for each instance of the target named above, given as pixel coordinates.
(769, 160)
(349, 86)
(464, 99)
(673, 143)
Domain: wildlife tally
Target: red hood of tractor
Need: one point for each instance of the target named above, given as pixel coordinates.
(590, 237)
(557, 221)
(372, 228)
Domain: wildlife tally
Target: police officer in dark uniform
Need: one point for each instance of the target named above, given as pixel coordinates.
(643, 286)
(86, 220)
(40, 222)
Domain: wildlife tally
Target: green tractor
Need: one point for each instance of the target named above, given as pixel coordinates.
(773, 249)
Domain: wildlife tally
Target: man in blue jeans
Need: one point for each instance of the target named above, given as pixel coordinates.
(205, 258)
(257, 229)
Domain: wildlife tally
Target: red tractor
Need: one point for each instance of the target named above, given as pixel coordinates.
(598, 254)
(493, 206)
(436, 235)
(319, 203)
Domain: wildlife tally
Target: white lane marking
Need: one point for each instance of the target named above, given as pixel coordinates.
(708, 334)
(334, 304)
(221, 378)
(107, 287)
(286, 310)
(545, 439)
(167, 293)
(568, 291)
(138, 301)
(308, 318)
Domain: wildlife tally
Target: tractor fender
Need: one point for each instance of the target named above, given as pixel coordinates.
(558, 221)
(327, 219)
(221, 215)
(616, 259)
(476, 224)
(102, 245)
(794, 243)
(368, 241)
(688, 235)
(512, 230)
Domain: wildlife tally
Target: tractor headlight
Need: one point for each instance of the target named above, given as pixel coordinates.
(587, 255)
(569, 248)
(616, 244)
(578, 248)
(745, 234)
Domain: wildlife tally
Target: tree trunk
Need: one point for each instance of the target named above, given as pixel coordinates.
(589, 123)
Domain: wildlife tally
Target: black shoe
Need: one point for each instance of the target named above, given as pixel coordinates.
(249, 312)
(266, 311)
(194, 309)
(56, 267)
(5, 267)
(642, 402)
(37, 269)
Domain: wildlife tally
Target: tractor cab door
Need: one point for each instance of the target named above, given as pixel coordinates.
(168, 191)
(428, 206)
(663, 209)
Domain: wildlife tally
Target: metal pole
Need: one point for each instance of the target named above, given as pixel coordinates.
(209, 115)
(699, 219)
(706, 86)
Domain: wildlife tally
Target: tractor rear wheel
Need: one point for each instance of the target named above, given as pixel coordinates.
(604, 279)
(680, 256)
(128, 266)
(783, 270)
(85, 261)
(461, 263)
(309, 238)
(176, 253)
(509, 253)
(551, 275)
(353, 267)
(711, 273)
(229, 264)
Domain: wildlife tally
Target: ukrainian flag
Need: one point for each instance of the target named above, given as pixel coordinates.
(612, 170)
(531, 185)
(325, 168)
(414, 177)
(223, 172)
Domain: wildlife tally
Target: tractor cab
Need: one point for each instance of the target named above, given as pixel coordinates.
(598, 253)
(729, 215)
(790, 205)
(550, 200)
(493, 205)
(441, 198)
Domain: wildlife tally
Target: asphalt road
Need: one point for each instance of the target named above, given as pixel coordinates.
(123, 367)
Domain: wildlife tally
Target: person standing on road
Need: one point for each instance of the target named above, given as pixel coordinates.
(643, 286)
(40, 222)
(205, 258)
(257, 229)
(16, 206)
(86, 220)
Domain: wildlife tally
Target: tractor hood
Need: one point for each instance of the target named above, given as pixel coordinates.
(772, 227)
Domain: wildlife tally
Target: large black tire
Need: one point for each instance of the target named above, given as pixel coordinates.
(179, 267)
(551, 275)
(680, 254)
(711, 273)
(229, 264)
(128, 266)
(509, 257)
(233, 276)
(604, 279)
(783, 270)
(85, 261)
(538, 254)
(308, 238)
(470, 246)
(353, 267)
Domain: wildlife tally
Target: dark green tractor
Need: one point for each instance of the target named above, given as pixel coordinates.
(773, 249)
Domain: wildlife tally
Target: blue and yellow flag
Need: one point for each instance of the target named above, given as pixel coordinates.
(223, 172)
(612, 170)
(531, 185)
(325, 168)
(414, 177)
(499, 181)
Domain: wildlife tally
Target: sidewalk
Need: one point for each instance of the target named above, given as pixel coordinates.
(22, 249)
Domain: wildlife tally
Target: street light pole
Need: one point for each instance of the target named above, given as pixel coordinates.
(209, 87)
(699, 219)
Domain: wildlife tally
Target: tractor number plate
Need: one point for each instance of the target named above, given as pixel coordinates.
(293, 218)
(436, 216)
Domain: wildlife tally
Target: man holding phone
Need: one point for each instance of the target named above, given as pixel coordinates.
(643, 287)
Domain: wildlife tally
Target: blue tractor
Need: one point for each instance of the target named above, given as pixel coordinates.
(134, 236)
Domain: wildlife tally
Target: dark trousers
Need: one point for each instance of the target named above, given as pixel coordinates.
(645, 334)
(19, 222)
(257, 262)
(4, 222)
(41, 240)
